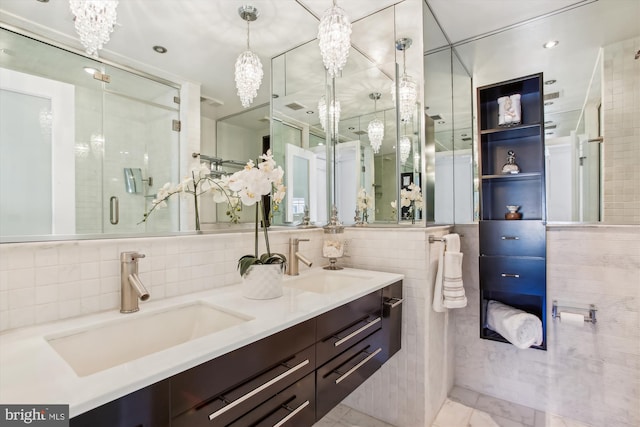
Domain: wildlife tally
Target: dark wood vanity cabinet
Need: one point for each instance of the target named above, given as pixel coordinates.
(148, 407)
(512, 251)
(291, 378)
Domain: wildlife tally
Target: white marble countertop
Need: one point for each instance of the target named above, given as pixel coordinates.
(32, 372)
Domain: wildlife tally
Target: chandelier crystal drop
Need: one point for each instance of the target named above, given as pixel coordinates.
(94, 22)
(408, 90)
(334, 38)
(248, 73)
(405, 148)
(407, 86)
(334, 113)
(375, 129)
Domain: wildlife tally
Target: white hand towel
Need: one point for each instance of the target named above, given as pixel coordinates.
(520, 328)
(449, 290)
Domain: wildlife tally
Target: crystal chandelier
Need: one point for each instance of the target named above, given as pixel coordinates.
(405, 148)
(375, 130)
(407, 87)
(94, 21)
(248, 66)
(334, 113)
(334, 36)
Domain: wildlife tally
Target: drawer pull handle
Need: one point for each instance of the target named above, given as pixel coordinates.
(516, 276)
(510, 238)
(257, 390)
(393, 302)
(355, 368)
(292, 414)
(356, 332)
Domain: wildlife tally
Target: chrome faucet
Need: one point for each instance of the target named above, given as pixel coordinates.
(131, 287)
(294, 256)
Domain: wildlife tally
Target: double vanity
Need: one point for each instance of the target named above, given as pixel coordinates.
(213, 358)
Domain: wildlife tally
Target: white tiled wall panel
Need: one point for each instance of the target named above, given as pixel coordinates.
(590, 374)
(621, 104)
(43, 282)
(409, 389)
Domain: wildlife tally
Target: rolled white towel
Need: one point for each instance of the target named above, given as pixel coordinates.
(520, 328)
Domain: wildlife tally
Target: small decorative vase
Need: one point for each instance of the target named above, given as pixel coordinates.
(263, 281)
(513, 212)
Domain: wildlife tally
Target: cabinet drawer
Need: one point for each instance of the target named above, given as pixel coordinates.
(344, 326)
(513, 238)
(201, 385)
(523, 275)
(339, 377)
(223, 408)
(147, 407)
(295, 406)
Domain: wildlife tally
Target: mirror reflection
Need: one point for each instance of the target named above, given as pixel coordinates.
(100, 141)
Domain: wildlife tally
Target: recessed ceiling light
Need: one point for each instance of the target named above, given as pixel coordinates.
(90, 70)
(550, 44)
(550, 81)
(548, 103)
(310, 112)
(160, 49)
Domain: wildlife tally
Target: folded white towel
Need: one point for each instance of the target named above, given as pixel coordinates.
(449, 290)
(520, 328)
(509, 110)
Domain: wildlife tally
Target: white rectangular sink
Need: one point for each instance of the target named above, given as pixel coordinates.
(326, 281)
(104, 346)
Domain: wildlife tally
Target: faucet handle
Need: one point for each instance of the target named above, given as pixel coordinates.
(130, 256)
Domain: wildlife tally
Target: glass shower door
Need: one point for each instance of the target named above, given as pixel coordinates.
(140, 153)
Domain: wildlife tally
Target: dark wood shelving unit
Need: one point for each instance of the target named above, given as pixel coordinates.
(512, 252)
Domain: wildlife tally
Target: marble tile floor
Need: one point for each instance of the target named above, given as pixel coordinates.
(463, 408)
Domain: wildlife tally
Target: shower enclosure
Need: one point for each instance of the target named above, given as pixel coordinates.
(84, 146)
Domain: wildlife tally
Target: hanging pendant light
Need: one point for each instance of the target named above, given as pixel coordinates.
(334, 113)
(334, 38)
(94, 21)
(248, 66)
(375, 129)
(405, 148)
(407, 87)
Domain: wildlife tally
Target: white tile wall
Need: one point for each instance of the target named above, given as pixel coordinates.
(43, 282)
(621, 104)
(590, 374)
(409, 389)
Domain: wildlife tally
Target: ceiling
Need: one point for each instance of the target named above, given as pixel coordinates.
(203, 37)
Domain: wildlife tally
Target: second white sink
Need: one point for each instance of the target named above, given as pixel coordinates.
(326, 281)
(103, 346)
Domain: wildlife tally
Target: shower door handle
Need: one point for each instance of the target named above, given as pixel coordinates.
(114, 210)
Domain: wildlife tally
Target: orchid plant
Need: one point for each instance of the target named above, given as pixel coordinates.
(245, 187)
(410, 197)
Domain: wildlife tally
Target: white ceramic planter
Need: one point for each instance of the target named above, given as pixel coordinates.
(263, 281)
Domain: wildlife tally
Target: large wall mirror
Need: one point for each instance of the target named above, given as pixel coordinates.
(587, 77)
(328, 164)
(120, 147)
(100, 144)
